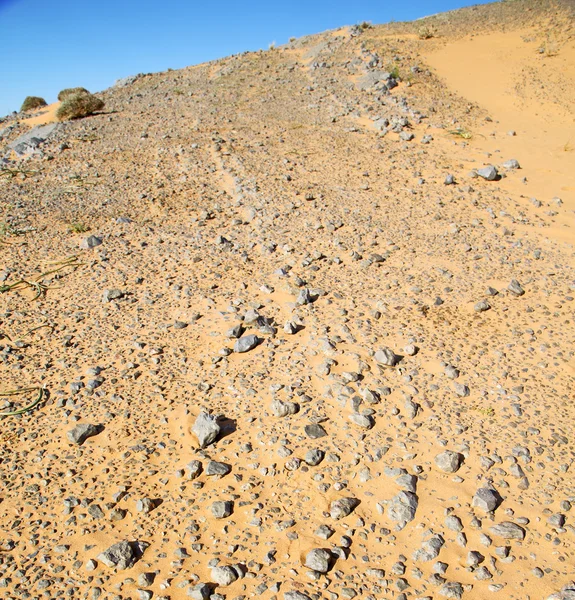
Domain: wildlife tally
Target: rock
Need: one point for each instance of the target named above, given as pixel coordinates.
(363, 421)
(487, 499)
(145, 505)
(451, 589)
(324, 532)
(224, 576)
(387, 357)
(206, 429)
(82, 432)
(343, 507)
(90, 242)
(125, 81)
(218, 469)
(449, 180)
(246, 343)
(29, 142)
(429, 549)
(113, 294)
(194, 469)
(305, 297)
(511, 164)
(283, 409)
(567, 593)
(318, 559)
(489, 173)
(402, 507)
(449, 461)
(515, 288)
(201, 591)
(482, 306)
(315, 431)
(508, 530)
(222, 508)
(314, 457)
(294, 595)
(123, 555)
(461, 390)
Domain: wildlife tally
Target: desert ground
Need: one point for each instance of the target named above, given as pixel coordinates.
(299, 324)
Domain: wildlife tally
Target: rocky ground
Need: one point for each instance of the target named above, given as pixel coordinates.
(296, 334)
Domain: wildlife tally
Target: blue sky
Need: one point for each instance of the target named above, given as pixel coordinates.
(48, 45)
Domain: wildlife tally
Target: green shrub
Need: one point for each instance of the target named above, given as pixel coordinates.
(78, 106)
(32, 102)
(71, 92)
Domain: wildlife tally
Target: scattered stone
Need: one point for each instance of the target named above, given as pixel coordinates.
(206, 429)
(82, 432)
(449, 461)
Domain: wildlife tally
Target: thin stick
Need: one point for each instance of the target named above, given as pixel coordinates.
(26, 408)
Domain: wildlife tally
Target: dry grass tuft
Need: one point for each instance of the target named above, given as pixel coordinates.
(71, 92)
(32, 102)
(78, 106)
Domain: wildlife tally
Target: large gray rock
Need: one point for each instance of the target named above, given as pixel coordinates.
(508, 530)
(246, 343)
(294, 595)
(31, 140)
(567, 593)
(200, 591)
(224, 576)
(387, 357)
(449, 461)
(487, 499)
(402, 507)
(82, 432)
(490, 173)
(123, 555)
(222, 508)
(206, 429)
(343, 507)
(90, 242)
(318, 559)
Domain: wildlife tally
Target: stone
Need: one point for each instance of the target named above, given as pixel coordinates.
(201, 591)
(449, 461)
(515, 288)
(387, 357)
(343, 507)
(511, 164)
(295, 595)
(29, 142)
(82, 432)
(283, 409)
(508, 530)
(222, 508)
(315, 431)
(487, 499)
(318, 559)
(218, 469)
(402, 507)
(90, 242)
(224, 576)
(206, 429)
(314, 457)
(489, 173)
(482, 306)
(362, 421)
(194, 469)
(122, 555)
(246, 343)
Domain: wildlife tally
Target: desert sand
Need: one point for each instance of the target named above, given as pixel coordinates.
(302, 321)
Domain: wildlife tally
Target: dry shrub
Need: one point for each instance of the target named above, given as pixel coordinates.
(78, 106)
(32, 102)
(71, 92)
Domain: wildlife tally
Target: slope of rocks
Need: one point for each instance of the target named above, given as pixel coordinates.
(312, 345)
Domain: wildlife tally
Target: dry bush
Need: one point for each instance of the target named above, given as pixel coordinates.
(78, 106)
(32, 102)
(426, 32)
(71, 92)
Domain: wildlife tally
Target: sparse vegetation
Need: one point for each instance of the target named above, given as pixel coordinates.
(426, 32)
(32, 102)
(71, 92)
(395, 72)
(568, 147)
(78, 227)
(365, 25)
(461, 132)
(78, 106)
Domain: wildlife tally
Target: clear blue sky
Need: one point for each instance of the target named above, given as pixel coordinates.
(47, 45)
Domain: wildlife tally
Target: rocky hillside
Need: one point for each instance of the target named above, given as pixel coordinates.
(297, 325)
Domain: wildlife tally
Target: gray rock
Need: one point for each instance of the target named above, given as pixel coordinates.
(123, 555)
(305, 297)
(429, 549)
(387, 357)
(222, 508)
(363, 421)
(324, 532)
(294, 595)
(461, 390)
(508, 530)
(224, 576)
(125, 81)
(449, 180)
(452, 589)
(318, 559)
(206, 429)
(515, 288)
(482, 306)
(490, 173)
(402, 507)
(314, 457)
(90, 242)
(194, 469)
(449, 461)
(567, 593)
(31, 140)
(145, 505)
(217, 468)
(474, 558)
(201, 591)
(511, 164)
(315, 431)
(343, 507)
(246, 343)
(82, 432)
(283, 409)
(113, 294)
(487, 499)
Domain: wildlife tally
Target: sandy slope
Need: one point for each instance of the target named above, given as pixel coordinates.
(280, 194)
